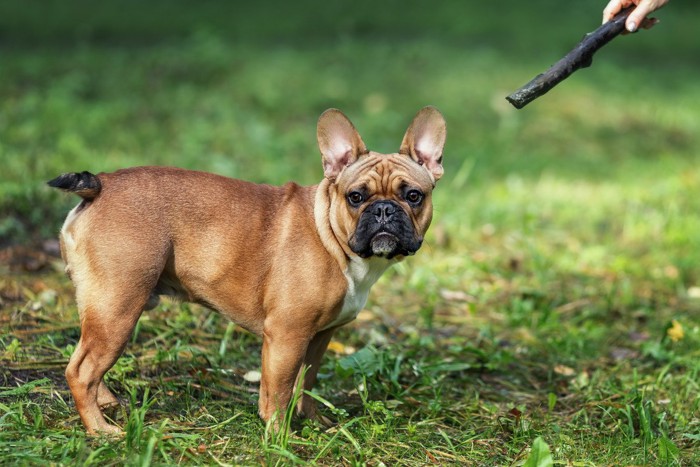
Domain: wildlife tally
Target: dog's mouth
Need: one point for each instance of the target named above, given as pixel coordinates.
(384, 244)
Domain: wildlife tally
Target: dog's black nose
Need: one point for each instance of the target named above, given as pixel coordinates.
(383, 211)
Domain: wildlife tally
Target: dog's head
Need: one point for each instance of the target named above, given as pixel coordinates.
(381, 204)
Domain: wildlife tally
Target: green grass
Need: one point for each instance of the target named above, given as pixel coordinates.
(538, 317)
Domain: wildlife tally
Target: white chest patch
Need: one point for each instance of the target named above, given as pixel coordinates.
(361, 275)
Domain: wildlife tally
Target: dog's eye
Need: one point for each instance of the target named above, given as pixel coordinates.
(414, 196)
(355, 198)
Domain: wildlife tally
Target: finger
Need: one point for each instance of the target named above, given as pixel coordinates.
(635, 19)
(613, 8)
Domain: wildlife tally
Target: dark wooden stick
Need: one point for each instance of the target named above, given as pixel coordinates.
(580, 57)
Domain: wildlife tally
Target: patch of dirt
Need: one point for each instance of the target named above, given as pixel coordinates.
(21, 258)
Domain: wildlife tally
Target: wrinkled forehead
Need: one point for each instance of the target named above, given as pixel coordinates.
(385, 172)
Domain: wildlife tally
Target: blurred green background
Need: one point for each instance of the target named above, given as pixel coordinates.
(236, 88)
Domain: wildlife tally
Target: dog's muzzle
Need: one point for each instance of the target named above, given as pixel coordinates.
(384, 230)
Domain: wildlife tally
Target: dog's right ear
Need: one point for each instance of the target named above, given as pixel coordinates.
(339, 142)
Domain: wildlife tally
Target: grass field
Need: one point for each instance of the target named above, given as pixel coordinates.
(553, 314)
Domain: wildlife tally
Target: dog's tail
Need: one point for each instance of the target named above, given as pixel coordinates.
(84, 184)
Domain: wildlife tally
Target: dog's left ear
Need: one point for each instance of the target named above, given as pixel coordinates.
(339, 142)
(425, 139)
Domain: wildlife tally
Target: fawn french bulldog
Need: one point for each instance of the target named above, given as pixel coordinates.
(289, 263)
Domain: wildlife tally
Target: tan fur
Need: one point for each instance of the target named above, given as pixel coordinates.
(275, 260)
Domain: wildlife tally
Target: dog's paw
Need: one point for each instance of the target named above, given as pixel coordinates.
(106, 430)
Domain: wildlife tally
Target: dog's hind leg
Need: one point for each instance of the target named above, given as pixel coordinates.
(105, 398)
(106, 325)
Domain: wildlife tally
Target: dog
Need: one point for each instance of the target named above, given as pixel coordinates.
(290, 263)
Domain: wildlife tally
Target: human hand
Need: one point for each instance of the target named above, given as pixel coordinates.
(638, 17)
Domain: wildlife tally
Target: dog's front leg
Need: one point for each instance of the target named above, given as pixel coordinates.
(283, 351)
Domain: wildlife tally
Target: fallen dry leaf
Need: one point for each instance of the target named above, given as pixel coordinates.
(693, 292)
(675, 332)
(564, 370)
(253, 376)
(341, 349)
(456, 296)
